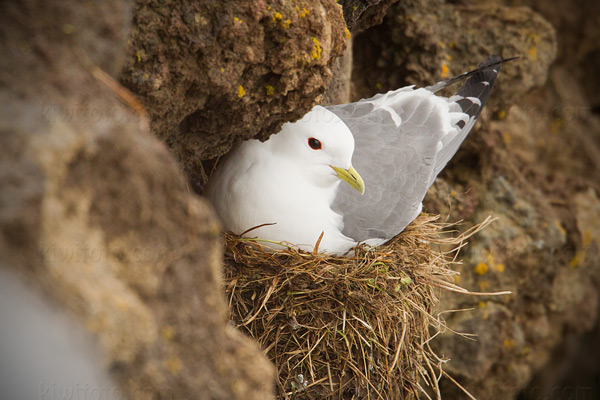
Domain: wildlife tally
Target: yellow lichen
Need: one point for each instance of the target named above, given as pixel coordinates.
(484, 286)
(138, 56)
(241, 91)
(556, 124)
(270, 90)
(578, 259)
(501, 114)
(490, 259)
(445, 71)
(68, 28)
(500, 267)
(277, 16)
(286, 24)
(452, 45)
(236, 19)
(168, 333)
(454, 194)
(532, 53)
(509, 343)
(316, 52)
(507, 138)
(302, 13)
(560, 228)
(173, 365)
(534, 38)
(122, 304)
(481, 268)
(481, 304)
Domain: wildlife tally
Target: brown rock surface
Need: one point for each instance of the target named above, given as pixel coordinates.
(362, 14)
(212, 73)
(95, 212)
(422, 42)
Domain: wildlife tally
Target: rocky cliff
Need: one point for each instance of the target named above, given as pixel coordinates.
(113, 115)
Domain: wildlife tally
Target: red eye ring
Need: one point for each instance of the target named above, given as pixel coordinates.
(314, 144)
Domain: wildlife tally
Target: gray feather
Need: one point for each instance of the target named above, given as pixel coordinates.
(403, 139)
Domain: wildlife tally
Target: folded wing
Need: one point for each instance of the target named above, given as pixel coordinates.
(403, 139)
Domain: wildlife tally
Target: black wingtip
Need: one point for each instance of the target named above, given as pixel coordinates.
(493, 60)
(479, 85)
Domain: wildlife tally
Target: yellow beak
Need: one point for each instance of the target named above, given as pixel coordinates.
(351, 177)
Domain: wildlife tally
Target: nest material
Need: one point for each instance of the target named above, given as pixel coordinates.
(347, 328)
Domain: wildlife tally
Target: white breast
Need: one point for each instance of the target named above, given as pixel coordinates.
(258, 189)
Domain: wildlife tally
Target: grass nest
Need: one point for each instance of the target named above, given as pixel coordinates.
(347, 327)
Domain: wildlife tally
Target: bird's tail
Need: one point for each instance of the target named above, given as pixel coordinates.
(473, 95)
(469, 99)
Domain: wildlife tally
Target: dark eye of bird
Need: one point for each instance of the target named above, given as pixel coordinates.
(314, 144)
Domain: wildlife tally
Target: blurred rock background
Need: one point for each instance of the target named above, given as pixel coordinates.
(99, 205)
(96, 216)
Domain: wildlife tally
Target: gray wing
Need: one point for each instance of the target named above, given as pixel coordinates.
(471, 99)
(403, 139)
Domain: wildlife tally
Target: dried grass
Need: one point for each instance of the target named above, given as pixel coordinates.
(347, 328)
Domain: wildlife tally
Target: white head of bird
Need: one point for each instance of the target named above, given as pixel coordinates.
(322, 145)
(289, 183)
